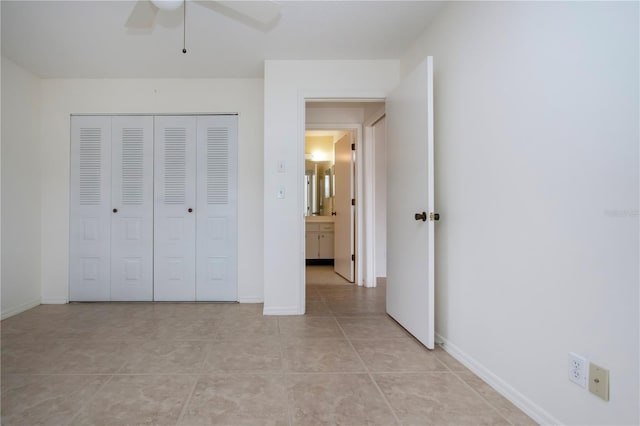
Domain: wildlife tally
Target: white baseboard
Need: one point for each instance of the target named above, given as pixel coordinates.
(293, 310)
(17, 309)
(54, 301)
(250, 300)
(532, 409)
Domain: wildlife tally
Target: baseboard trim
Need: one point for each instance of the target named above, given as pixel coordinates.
(54, 301)
(250, 300)
(282, 311)
(532, 409)
(17, 309)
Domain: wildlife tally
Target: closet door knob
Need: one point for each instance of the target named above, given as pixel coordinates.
(115, 210)
(190, 210)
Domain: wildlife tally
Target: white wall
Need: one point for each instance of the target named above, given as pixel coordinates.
(380, 200)
(317, 114)
(21, 189)
(63, 97)
(286, 85)
(536, 132)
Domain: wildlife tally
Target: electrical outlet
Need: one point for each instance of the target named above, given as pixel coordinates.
(578, 369)
(599, 381)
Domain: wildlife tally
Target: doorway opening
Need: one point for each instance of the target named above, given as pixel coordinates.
(339, 183)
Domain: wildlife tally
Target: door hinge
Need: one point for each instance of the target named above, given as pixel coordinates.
(353, 257)
(353, 201)
(353, 147)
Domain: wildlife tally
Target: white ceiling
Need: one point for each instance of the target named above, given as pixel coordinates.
(89, 39)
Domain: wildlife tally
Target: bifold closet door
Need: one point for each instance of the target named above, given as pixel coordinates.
(174, 208)
(217, 188)
(90, 209)
(132, 208)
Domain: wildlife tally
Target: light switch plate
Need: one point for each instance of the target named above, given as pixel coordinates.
(599, 381)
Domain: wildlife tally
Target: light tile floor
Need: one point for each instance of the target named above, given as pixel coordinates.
(345, 362)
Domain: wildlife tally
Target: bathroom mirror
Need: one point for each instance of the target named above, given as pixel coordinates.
(319, 187)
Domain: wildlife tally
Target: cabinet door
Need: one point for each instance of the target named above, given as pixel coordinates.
(90, 209)
(326, 245)
(132, 208)
(217, 194)
(311, 245)
(174, 208)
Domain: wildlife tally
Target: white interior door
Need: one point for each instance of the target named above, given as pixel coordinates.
(174, 208)
(132, 208)
(410, 180)
(90, 209)
(344, 219)
(217, 248)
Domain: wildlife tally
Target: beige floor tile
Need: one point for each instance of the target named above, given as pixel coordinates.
(247, 328)
(317, 309)
(166, 357)
(259, 355)
(137, 400)
(378, 327)
(451, 363)
(323, 275)
(504, 406)
(243, 399)
(303, 326)
(77, 356)
(336, 399)
(392, 355)
(46, 400)
(124, 328)
(186, 328)
(320, 356)
(435, 399)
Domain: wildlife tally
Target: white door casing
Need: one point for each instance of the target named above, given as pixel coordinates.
(90, 209)
(132, 208)
(410, 190)
(174, 208)
(344, 219)
(216, 213)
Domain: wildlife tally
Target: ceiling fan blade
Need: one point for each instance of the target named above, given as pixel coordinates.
(142, 16)
(262, 15)
(260, 11)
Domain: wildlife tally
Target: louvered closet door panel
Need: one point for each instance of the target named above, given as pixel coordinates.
(175, 195)
(90, 209)
(132, 208)
(217, 232)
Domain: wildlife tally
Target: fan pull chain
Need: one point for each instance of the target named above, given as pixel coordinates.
(184, 27)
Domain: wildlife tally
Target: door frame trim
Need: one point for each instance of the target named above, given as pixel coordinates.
(344, 95)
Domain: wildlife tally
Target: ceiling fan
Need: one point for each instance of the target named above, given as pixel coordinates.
(261, 15)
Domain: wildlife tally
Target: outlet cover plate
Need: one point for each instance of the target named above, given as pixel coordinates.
(577, 369)
(599, 381)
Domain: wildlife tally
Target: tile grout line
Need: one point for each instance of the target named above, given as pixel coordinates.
(90, 400)
(368, 372)
(187, 401)
(455, 373)
(284, 375)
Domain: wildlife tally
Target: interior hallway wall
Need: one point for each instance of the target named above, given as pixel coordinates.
(537, 183)
(62, 97)
(286, 85)
(21, 189)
